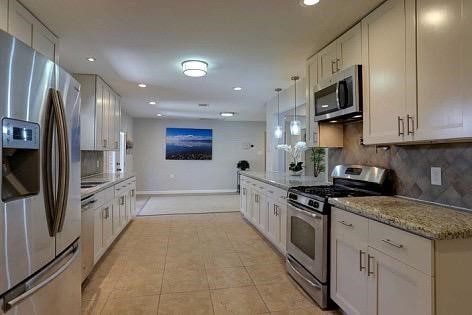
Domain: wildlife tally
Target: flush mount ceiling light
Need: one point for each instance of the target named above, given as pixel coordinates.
(309, 2)
(295, 125)
(227, 114)
(152, 103)
(142, 85)
(194, 68)
(91, 59)
(237, 88)
(278, 130)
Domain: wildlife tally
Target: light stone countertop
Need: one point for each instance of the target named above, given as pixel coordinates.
(283, 180)
(109, 179)
(431, 221)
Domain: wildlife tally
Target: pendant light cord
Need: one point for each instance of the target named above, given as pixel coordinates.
(278, 108)
(295, 100)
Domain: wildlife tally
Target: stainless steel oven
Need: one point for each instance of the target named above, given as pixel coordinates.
(340, 96)
(307, 249)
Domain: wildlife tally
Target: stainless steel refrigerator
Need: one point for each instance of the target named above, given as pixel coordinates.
(40, 184)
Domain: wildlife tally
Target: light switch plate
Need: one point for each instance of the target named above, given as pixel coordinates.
(436, 176)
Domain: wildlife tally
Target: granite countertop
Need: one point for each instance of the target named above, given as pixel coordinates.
(283, 180)
(431, 221)
(109, 180)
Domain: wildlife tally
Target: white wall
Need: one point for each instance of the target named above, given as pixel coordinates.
(127, 126)
(156, 174)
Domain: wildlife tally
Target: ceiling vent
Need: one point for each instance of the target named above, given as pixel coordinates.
(203, 105)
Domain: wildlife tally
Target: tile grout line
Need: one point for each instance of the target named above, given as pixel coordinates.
(163, 271)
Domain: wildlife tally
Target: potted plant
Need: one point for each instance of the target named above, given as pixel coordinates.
(318, 158)
(295, 152)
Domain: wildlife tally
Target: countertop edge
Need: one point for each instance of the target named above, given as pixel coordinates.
(415, 231)
(273, 183)
(107, 185)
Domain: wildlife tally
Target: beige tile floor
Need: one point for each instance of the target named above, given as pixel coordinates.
(193, 264)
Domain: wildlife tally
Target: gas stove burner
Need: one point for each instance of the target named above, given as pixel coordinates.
(329, 191)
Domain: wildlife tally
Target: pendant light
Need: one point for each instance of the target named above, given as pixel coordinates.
(295, 125)
(278, 130)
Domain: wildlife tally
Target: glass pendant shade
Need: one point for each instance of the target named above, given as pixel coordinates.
(278, 132)
(295, 127)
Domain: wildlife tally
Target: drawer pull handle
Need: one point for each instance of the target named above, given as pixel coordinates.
(370, 271)
(346, 224)
(361, 253)
(389, 242)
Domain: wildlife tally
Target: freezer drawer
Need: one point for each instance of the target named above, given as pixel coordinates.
(54, 290)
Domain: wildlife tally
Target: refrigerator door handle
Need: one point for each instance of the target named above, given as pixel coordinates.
(49, 198)
(63, 150)
(41, 280)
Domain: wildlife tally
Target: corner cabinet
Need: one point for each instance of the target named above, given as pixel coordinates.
(19, 22)
(377, 269)
(265, 207)
(389, 72)
(100, 114)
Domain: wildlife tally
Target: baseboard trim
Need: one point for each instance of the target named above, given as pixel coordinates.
(182, 192)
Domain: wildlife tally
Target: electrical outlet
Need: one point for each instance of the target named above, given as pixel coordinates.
(436, 176)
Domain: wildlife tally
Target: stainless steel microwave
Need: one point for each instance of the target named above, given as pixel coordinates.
(340, 96)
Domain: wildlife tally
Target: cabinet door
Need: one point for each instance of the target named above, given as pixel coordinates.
(350, 48)
(281, 208)
(311, 82)
(389, 76)
(97, 235)
(99, 110)
(111, 120)
(107, 217)
(327, 62)
(117, 120)
(20, 22)
(116, 216)
(256, 207)
(444, 93)
(395, 288)
(106, 117)
(243, 198)
(123, 211)
(44, 41)
(87, 242)
(4, 15)
(264, 205)
(132, 199)
(274, 224)
(348, 273)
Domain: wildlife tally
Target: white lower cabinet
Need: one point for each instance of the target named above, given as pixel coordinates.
(112, 213)
(265, 207)
(377, 269)
(396, 288)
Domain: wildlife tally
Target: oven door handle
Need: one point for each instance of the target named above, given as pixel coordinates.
(317, 286)
(313, 215)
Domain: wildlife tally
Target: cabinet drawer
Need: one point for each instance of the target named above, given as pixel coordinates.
(103, 197)
(350, 225)
(276, 193)
(408, 248)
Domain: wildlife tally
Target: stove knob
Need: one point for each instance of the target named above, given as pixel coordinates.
(314, 204)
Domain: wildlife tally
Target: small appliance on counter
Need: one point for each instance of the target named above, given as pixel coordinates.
(242, 166)
(308, 221)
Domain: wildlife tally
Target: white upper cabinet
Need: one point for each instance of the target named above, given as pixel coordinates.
(327, 58)
(349, 47)
(389, 77)
(24, 26)
(4, 15)
(311, 82)
(444, 69)
(340, 54)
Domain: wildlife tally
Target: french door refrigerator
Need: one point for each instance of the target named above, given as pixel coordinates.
(40, 184)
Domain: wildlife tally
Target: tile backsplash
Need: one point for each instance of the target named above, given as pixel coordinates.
(411, 167)
(92, 163)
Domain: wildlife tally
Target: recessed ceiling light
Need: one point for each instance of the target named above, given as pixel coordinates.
(152, 103)
(357, 116)
(91, 59)
(333, 121)
(142, 85)
(325, 106)
(237, 88)
(310, 2)
(227, 114)
(194, 68)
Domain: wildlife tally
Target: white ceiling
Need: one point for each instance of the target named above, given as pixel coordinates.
(255, 44)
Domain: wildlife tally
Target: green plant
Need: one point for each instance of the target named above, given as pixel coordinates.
(318, 158)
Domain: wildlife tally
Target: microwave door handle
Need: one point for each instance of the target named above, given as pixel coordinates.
(337, 95)
(345, 99)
